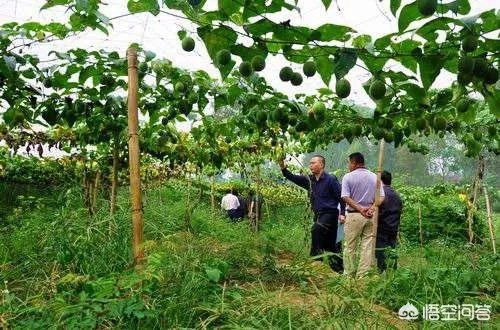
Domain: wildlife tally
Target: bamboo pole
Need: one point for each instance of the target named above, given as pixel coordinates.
(490, 220)
(114, 180)
(85, 183)
(420, 225)
(257, 198)
(90, 193)
(187, 214)
(264, 202)
(135, 176)
(477, 182)
(470, 216)
(95, 191)
(212, 194)
(377, 198)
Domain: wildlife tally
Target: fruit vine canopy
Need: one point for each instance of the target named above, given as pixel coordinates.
(79, 93)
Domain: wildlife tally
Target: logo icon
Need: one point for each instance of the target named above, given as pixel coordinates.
(408, 312)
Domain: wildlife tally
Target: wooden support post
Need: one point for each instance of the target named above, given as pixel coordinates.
(477, 182)
(95, 191)
(114, 180)
(490, 220)
(377, 197)
(420, 225)
(187, 212)
(257, 199)
(133, 150)
(212, 194)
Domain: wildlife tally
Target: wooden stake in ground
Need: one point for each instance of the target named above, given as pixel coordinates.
(212, 195)
(187, 212)
(377, 197)
(257, 199)
(114, 179)
(477, 182)
(133, 151)
(420, 225)
(89, 192)
(490, 220)
(95, 190)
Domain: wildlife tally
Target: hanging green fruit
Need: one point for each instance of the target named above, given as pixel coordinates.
(245, 69)
(309, 69)
(343, 88)
(258, 63)
(377, 90)
(286, 73)
(469, 43)
(188, 44)
(427, 7)
(296, 79)
(223, 57)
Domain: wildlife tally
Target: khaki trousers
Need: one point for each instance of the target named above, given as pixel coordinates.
(357, 226)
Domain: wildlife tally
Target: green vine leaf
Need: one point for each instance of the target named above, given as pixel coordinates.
(362, 41)
(218, 39)
(493, 100)
(260, 27)
(247, 53)
(229, 7)
(257, 8)
(408, 14)
(331, 32)
(430, 67)
(491, 21)
(395, 6)
(324, 67)
(53, 3)
(327, 3)
(140, 6)
(373, 63)
(461, 7)
(428, 30)
(344, 62)
(82, 5)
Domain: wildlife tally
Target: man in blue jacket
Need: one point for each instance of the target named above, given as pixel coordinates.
(324, 192)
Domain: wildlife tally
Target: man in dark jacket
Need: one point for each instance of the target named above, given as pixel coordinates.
(324, 192)
(388, 224)
(241, 211)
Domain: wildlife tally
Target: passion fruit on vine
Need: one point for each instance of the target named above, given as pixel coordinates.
(286, 73)
(188, 44)
(427, 7)
(309, 69)
(343, 88)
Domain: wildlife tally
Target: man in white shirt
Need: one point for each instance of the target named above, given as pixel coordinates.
(358, 191)
(230, 204)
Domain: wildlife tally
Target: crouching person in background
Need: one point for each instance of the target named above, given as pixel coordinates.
(230, 204)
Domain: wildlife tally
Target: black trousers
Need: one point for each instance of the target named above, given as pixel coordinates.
(233, 214)
(324, 236)
(385, 249)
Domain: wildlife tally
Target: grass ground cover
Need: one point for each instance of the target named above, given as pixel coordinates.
(62, 269)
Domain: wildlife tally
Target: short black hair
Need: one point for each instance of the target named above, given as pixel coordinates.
(386, 178)
(320, 157)
(357, 158)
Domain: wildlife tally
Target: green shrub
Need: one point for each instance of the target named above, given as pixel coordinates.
(443, 215)
(441, 275)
